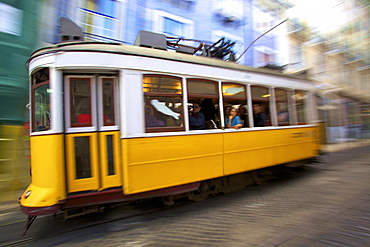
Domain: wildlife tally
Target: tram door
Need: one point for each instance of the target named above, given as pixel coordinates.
(92, 133)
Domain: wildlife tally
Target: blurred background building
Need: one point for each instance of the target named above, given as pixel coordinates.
(18, 38)
(337, 61)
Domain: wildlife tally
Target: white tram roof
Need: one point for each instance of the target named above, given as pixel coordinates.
(116, 48)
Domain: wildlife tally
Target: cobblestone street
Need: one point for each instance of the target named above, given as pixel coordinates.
(328, 204)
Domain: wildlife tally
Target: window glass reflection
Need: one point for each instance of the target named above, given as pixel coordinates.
(108, 102)
(80, 102)
(41, 108)
(82, 161)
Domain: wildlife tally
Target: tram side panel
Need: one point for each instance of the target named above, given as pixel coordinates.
(245, 151)
(160, 162)
(297, 144)
(48, 174)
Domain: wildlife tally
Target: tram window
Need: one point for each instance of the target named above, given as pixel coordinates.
(82, 153)
(108, 102)
(282, 109)
(40, 100)
(261, 106)
(111, 170)
(163, 103)
(235, 96)
(80, 102)
(205, 93)
(299, 99)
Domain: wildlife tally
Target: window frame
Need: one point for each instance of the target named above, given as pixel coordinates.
(33, 105)
(164, 129)
(268, 100)
(205, 96)
(304, 102)
(114, 125)
(73, 128)
(288, 123)
(231, 98)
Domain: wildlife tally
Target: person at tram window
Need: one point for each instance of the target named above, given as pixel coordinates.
(196, 118)
(150, 120)
(233, 121)
(243, 115)
(283, 115)
(259, 117)
(227, 111)
(209, 111)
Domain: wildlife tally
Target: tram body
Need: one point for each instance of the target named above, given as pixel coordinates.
(112, 154)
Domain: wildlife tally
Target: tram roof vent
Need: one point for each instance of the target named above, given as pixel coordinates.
(152, 40)
(69, 31)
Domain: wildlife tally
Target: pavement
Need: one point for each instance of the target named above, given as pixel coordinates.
(9, 200)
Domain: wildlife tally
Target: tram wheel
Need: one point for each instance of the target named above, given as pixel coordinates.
(201, 193)
(168, 200)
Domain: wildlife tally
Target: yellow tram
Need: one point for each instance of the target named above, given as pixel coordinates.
(111, 123)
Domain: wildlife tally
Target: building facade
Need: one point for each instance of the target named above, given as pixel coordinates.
(240, 21)
(338, 63)
(18, 38)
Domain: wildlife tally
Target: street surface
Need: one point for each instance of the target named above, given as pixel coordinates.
(325, 204)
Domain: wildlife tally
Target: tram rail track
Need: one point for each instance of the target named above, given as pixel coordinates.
(31, 239)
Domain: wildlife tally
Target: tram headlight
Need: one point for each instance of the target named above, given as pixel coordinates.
(27, 194)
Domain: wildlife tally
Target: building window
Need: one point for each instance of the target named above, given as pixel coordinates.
(263, 20)
(230, 8)
(163, 103)
(172, 25)
(297, 57)
(264, 55)
(10, 19)
(98, 19)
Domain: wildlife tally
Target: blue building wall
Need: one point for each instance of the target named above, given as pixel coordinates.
(136, 15)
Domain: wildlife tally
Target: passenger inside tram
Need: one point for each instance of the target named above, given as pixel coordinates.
(210, 113)
(243, 115)
(150, 119)
(233, 121)
(227, 110)
(259, 116)
(196, 117)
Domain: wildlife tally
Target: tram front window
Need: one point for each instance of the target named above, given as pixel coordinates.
(81, 102)
(41, 108)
